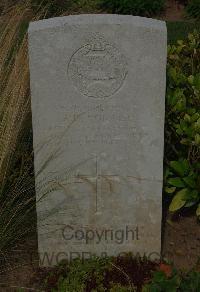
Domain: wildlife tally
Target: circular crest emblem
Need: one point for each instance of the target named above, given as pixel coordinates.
(97, 69)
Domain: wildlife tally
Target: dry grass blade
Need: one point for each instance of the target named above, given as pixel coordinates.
(14, 82)
(17, 190)
(14, 94)
(17, 194)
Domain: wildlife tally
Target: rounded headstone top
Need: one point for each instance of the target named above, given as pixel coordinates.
(97, 19)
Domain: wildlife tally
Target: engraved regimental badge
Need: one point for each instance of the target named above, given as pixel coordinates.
(97, 69)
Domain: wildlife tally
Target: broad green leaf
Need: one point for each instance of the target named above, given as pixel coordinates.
(178, 201)
(171, 98)
(197, 124)
(191, 79)
(190, 181)
(170, 190)
(195, 117)
(176, 182)
(185, 141)
(159, 276)
(180, 42)
(172, 73)
(194, 194)
(197, 139)
(187, 118)
(189, 131)
(181, 104)
(185, 166)
(179, 131)
(183, 124)
(191, 111)
(190, 36)
(198, 210)
(180, 167)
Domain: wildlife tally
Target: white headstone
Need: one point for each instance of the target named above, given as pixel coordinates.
(98, 103)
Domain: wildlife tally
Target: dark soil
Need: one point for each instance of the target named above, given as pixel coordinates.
(174, 11)
(139, 272)
(181, 239)
(18, 266)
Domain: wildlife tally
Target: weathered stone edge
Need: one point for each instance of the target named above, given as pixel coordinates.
(96, 19)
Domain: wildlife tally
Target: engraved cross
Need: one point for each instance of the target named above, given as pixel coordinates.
(96, 179)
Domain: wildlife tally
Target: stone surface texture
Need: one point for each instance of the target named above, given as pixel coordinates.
(98, 102)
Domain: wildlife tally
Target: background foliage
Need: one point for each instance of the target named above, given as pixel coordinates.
(52, 7)
(182, 144)
(134, 7)
(193, 9)
(175, 282)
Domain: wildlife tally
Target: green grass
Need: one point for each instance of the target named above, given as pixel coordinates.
(180, 30)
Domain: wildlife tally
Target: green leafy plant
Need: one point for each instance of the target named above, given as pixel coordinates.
(182, 134)
(100, 275)
(176, 282)
(134, 7)
(190, 282)
(193, 9)
(161, 283)
(182, 182)
(83, 274)
(126, 273)
(120, 288)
